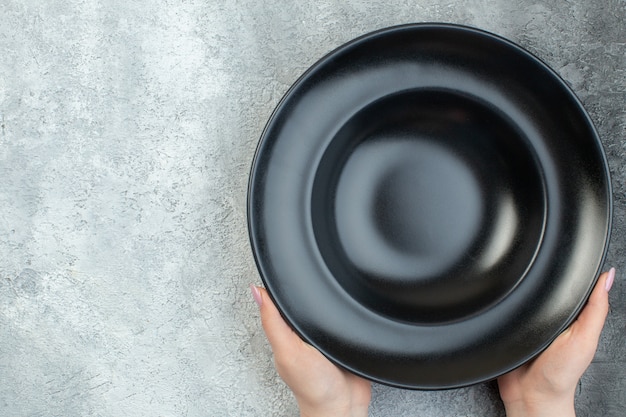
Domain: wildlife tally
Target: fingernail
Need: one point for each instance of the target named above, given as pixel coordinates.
(256, 294)
(609, 279)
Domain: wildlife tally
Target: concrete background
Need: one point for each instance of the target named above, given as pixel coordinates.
(127, 130)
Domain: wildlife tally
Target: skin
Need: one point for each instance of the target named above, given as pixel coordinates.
(320, 388)
(545, 386)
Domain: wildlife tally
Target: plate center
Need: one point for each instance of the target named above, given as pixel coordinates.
(428, 206)
(406, 208)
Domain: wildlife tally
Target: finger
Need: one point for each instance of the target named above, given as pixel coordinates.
(591, 319)
(281, 337)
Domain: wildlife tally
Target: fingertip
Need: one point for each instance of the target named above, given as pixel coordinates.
(256, 294)
(279, 334)
(600, 290)
(266, 301)
(269, 312)
(592, 317)
(610, 278)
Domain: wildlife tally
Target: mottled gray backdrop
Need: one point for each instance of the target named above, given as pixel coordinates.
(127, 129)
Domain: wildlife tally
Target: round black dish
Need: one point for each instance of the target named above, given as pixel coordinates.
(429, 206)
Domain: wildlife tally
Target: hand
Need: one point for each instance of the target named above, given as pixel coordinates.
(546, 386)
(320, 388)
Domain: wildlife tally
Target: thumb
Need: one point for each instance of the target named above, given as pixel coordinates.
(281, 337)
(591, 320)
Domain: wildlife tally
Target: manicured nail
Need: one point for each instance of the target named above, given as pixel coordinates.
(256, 294)
(609, 279)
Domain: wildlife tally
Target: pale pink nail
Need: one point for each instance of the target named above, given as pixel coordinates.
(256, 294)
(609, 279)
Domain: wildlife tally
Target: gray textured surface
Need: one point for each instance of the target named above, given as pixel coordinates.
(127, 130)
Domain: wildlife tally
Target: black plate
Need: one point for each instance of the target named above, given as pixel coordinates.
(429, 206)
